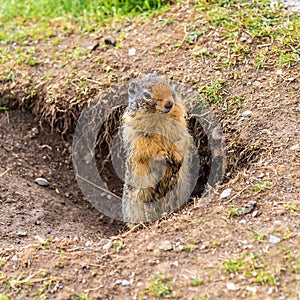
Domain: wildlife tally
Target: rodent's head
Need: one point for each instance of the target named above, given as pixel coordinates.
(151, 93)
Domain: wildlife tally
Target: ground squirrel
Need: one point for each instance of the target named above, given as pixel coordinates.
(158, 146)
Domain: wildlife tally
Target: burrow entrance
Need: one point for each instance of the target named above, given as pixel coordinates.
(214, 163)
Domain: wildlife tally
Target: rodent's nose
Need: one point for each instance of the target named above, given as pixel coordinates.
(168, 106)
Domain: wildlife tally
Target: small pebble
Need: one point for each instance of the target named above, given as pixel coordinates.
(88, 244)
(22, 233)
(14, 258)
(231, 286)
(243, 39)
(175, 263)
(294, 147)
(278, 72)
(107, 246)
(41, 181)
(84, 266)
(246, 113)
(249, 83)
(94, 46)
(251, 289)
(226, 193)
(298, 108)
(243, 222)
(248, 208)
(131, 52)
(274, 239)
(291, 79)
(123, 282)
(165, 246)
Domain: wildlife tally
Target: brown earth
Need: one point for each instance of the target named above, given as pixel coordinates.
(54, 245)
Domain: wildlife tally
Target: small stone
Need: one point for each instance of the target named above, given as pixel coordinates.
(138, 284)
(110, 41)
(131, 52)
(248, 208)
(104, 241)
(260, 176)
(251, 289)
(294, 147)
(165, 246)
(255, 214)
(202, 247)
(298, 108)
(22, 233)
(249, 83)
(107, 246)
(243, 222)
(231, 286)
(274, 239)
(40, 239)
(175, 263)
(94, 46)
(84, 266)
(226, 193)
(41, 181)
(278, 72)
(291, 79)
(247, 113)
(14, 258)
(88, 244)
(124, 282)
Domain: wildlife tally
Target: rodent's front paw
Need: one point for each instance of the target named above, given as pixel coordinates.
(161, 155)
(177, 157)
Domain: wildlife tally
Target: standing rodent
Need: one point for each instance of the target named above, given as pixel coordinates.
(158, 147)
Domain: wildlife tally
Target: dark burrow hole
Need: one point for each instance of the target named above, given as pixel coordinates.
(106, 150)
(215, 164)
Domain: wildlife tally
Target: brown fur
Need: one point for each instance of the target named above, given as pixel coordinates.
(158, 151)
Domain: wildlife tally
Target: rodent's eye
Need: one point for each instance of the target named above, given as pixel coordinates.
(147, 95)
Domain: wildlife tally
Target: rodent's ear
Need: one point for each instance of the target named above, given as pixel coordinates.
(133, 89)
(172, 90)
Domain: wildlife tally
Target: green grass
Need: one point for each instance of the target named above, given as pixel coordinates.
(214, 91)
(35, 9)
(21, 19)
(252, 265)
(159, 287)
(261, 186)
(274, 29)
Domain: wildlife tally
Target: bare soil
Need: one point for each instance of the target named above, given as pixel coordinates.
(55, 245)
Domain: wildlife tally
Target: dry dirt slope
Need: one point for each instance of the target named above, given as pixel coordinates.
(54, 245)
